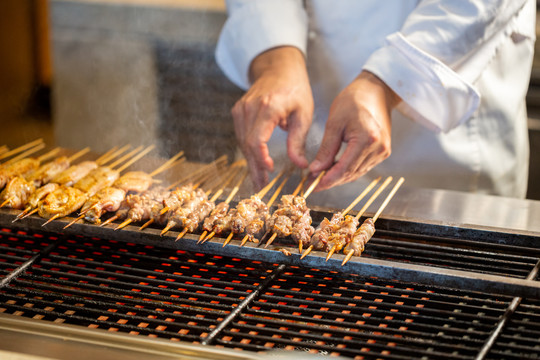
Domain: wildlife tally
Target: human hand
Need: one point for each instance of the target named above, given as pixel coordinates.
(360, 117)
(280, 95)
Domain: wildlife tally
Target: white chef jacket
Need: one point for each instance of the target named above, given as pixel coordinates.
(461, 68)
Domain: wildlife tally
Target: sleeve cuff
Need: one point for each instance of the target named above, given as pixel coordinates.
(255, 27)
(432, 93)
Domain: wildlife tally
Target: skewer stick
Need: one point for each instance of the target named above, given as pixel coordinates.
(112, 154)
(361, 196)
(25, 154)
(228, 240)
(314, 184)
(74, 221)
(378, 213)
(29, 213)
(262, 193)
(54, 217)
(203, 238)
(197, 173)
(124, 224)
(3, 149)
(300, 185)
(125, 157)
(136, 158)
(373, 197)
(360, 213)
(364, 208)
(167, 164)
(181, 235)
(48, 155)
(109, 220)
(20, 148)
(388, 198)
(6, 202)
(78, 154)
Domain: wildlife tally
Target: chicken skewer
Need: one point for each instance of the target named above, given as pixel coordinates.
(19, 189)
(151, 205)
(23, 165)
(67, 177)
(321, 238)
(364, 233)
(110, 198)
(238, 218)
(251, 219)
(220, 210)
(192, 219)
(292, 217)
(184, 212)
(68, 199)
(223, 222)
(19, 149)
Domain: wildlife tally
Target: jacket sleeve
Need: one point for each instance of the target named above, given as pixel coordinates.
(253, 27)
(442, 48)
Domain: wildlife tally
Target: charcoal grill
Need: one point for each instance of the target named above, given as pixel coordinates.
(431, 284)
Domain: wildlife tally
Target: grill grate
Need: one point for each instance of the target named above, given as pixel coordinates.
(156, 292)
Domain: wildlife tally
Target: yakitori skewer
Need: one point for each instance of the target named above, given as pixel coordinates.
(185, 212)
(18, 190)
(220, 210)
(110, 198)
(192, 220)
(66, 200)
(23, 166)
(152, 205)
(67, 177)
(248, 212)
(367, 229)
(8, 153)
(224, 222)
(292, 216)
(326, 228)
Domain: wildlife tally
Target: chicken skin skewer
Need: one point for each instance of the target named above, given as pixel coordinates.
(67, 177)
(110, 198)
(66, 200)
(22, 167)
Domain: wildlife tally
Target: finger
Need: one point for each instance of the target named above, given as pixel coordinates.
(331, 142)
(348, 168)
(298, 126)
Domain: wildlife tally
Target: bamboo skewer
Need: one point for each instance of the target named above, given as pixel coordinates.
(218, 192)
(355, 201)
(20, 148)
(200, 175)
(102, 160)
(364, 208)
(165, 166)
(378, 213)
(203, 238)
(269, 203)
(260, 195)
(305, 196)
(24, 154)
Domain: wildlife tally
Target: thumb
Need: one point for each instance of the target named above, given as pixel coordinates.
(298, 127)
(328, 150)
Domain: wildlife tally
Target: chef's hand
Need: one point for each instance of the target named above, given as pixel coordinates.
(280, 95)
(360, 117)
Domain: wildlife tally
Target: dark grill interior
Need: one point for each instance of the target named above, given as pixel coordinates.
(229, 302)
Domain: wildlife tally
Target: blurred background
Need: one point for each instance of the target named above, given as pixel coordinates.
(101, 73)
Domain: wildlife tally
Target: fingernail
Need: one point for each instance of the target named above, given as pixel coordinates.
(315, 166)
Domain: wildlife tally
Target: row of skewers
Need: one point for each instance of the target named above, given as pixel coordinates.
(60, 187)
